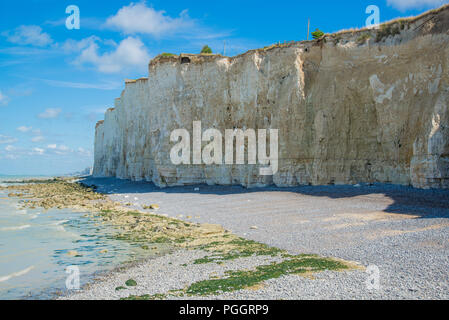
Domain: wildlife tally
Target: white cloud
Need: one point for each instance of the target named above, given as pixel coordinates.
(24, 129)
(84, 152)
(13, 152)
(10, 148)
(86, 23)
(4, 100)
(129, 54)
(138, 18)
(415, 4)
(11, 157)
(38, 139)
(50, 113)
(59, 149)
(38, 151)
(7, 139)
(107, 85)
(71, 45)
(28, 35)
(12, 92)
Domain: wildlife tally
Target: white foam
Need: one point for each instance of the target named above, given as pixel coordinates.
(26, 226)
(60, 228)
(34, 216)
(57, 223)
(16, 274)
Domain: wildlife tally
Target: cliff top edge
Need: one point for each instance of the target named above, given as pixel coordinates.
(439, 17)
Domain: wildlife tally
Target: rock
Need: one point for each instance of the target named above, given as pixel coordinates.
(151, 207)
(104, 251)
(131, 283)
(254, 227)
(72, 253)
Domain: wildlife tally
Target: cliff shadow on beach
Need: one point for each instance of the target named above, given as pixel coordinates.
(424, 203)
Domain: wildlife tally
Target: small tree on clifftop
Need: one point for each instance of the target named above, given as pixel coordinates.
(317, 34)
(206, 49)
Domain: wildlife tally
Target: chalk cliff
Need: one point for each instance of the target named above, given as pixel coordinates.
(355, 106)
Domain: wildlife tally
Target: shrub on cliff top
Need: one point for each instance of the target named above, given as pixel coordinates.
(317, 34)
(206, 49)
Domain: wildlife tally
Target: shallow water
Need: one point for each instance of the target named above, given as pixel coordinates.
(37, 246)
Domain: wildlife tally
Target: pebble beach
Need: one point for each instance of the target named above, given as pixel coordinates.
(402, 231)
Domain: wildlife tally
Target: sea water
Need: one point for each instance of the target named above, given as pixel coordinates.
(38, 249)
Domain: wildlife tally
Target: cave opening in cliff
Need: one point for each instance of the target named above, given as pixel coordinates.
(185, 60)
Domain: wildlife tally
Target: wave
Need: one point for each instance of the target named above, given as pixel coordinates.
(16, 274)
(61, 228)
(57, 223)
(26, 226)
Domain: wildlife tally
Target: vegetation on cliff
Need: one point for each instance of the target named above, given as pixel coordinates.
(317, 34)
(206, 50)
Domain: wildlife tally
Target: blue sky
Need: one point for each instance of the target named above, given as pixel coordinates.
(55, 83)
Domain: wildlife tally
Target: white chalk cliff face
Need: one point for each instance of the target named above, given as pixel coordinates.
(348, 111)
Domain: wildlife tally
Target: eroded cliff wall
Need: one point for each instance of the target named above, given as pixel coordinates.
(354, 107)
